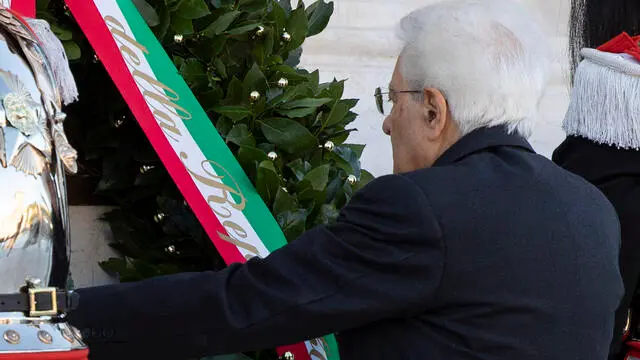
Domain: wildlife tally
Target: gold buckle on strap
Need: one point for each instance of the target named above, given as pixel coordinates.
(33, 304)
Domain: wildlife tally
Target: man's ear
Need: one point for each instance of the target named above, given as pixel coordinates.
(436, 112)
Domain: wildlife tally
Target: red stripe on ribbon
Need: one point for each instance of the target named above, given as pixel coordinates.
(95, 29)
(25, 8)
(299, 351)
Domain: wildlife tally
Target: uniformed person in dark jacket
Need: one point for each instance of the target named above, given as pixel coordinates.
(476, 248)
(603, 128)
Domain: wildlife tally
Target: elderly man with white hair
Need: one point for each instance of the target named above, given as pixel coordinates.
(475, 248)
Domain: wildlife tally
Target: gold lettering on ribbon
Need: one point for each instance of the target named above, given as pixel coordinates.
(159, 92)
(162, 101)
(215, 182)
(317, 354)
(227, 215)
(118, 32)
(240, 244)
(318, 343)
(236, 233)
(168, 97)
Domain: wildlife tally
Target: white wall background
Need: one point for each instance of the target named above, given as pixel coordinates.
(358, 45)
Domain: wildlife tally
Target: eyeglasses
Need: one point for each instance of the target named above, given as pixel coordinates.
(379, 97)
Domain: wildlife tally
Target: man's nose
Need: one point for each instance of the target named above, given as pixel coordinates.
(386, 126)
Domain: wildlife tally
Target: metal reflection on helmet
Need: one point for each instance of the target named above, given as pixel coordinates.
(34, 224)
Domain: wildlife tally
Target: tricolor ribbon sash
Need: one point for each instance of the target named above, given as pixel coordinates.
(202, 166)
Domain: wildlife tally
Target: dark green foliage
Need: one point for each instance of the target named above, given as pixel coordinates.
(223, 57)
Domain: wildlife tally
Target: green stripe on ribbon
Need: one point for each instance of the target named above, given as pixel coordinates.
(209, 141)
(203, 131)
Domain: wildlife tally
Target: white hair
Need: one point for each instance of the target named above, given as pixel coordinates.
(488, 57)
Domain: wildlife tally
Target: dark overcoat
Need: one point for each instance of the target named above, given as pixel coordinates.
(493, 253)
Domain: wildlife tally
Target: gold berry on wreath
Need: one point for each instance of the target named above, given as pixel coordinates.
(145, 168)
(158, 217)
(329, 145)
(264, 104)
(283, 82)
(352, 179)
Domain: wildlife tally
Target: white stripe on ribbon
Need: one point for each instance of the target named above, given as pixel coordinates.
(316, 349)
(195, 156)
(185, 144)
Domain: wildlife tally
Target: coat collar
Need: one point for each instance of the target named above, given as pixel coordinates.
(479, 140)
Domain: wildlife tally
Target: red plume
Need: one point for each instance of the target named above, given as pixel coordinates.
(623, 44)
